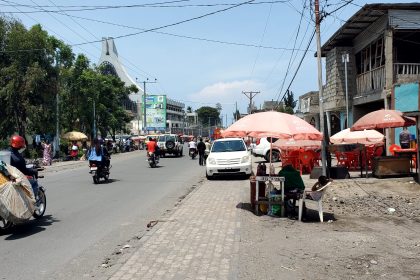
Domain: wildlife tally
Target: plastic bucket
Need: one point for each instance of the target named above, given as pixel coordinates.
(5, 156)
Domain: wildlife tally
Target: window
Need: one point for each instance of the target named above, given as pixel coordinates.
(228, 146)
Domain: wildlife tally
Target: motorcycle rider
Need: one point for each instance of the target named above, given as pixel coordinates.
(152, 146)
(192, 146)
(17, 146)
(98, 154)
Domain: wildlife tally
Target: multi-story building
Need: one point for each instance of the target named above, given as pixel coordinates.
(384, 63)
(175, 116)
(308, 108)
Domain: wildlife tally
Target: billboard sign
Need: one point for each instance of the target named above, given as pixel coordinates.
(156, 112)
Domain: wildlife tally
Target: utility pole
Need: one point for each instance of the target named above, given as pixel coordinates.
(144, 103)
(321, 99)
(250, 95)
(236, 111)
(209, 127)
(345, 58)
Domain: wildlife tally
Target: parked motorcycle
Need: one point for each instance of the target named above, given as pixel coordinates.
(153, 160)
(98, 171)
(193, 153)
(40, 206)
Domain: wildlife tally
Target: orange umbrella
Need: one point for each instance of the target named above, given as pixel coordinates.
(273, 124)
(365, 137)
(383, 119)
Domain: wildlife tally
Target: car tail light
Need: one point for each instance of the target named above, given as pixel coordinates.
(258, 141)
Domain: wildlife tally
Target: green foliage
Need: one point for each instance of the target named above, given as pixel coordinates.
(33, 154)
(208, 115)
(4, 144)
(289, 101)
(35, 68)
(236, 115)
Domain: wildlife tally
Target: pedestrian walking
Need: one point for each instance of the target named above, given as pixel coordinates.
(46, 153)
(207, 151)
(201, 147)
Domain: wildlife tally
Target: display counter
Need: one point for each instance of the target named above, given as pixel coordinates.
(391, 166)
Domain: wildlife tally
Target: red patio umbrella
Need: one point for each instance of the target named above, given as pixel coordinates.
(273, 124)
(383, 119)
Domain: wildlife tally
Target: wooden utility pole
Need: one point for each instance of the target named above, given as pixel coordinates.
(250, 95)
(321, 99)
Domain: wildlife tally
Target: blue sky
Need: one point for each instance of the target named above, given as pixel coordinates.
(197, 72)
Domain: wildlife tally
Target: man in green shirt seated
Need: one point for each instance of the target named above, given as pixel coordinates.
(293, 187)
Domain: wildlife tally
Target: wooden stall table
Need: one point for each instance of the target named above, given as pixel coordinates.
(266, 201)
(410, 153)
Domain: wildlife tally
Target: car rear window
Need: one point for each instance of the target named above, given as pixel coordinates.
(228, 146)
(164, 138)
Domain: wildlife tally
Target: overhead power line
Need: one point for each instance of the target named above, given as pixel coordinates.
(81, 8)
(169, 34)
(297, 69)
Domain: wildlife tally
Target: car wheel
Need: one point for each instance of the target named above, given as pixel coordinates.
(209, 177)
(275, 156)
(170, 144)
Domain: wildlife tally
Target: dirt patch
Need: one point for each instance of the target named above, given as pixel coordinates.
(361, 238)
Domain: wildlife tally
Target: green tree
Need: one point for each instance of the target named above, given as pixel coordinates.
(208, 116)
(236, 115)
(289, 103)
(28, 78)
(189, 109)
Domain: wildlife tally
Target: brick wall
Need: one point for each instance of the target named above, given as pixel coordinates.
(334, 89)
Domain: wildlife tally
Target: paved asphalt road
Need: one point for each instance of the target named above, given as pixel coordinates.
(84, 222)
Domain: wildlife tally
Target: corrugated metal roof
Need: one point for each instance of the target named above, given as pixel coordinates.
(360, 21)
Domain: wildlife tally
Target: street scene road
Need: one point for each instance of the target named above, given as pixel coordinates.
(84, 222)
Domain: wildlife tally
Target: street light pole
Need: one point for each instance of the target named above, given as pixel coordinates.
(144, 103)
(345, 58)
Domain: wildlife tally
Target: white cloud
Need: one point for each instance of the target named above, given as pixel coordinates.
(224, 92)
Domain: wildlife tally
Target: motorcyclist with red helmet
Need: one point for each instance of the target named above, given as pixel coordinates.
(17, 146)
(152, 146)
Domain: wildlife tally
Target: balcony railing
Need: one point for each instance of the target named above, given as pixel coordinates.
(371, 81)
(406, 70)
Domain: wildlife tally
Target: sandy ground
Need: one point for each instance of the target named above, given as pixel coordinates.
(361, 237)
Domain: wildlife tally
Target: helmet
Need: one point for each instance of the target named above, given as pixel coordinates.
(17, 142)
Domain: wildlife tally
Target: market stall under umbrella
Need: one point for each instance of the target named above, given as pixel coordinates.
(273, 124)
(75, 136)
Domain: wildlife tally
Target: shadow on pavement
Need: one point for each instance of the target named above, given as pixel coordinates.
(229, 178)
(29, 228)
(311, 216)
(110, 181)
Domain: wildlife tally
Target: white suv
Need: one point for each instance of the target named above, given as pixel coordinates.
(170, 144)
(263, 150)
(228, 156)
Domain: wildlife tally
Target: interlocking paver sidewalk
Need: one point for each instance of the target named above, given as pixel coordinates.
(200, 240)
